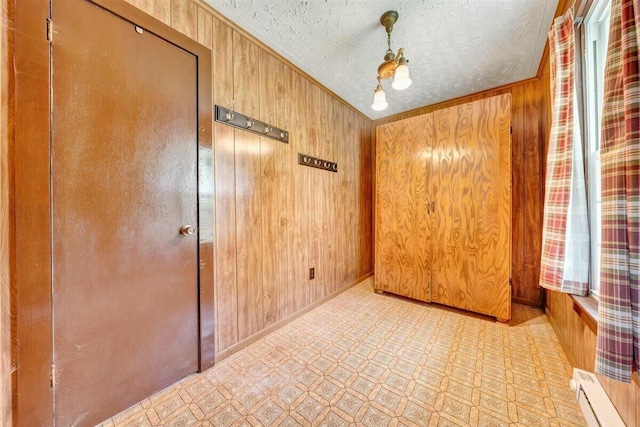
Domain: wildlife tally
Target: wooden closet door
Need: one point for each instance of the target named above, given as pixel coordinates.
(471, 189)
(403, 152)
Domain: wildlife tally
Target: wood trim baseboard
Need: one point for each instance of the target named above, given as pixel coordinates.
(266, 331)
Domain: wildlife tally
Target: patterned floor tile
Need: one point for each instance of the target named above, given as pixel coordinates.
(375, 418)
(350, 404)
(268, 413)
(309, 408)
(367, 359)
(416, 414)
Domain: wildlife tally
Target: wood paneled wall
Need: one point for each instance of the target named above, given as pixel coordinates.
(527, 140)
(579, 343)
(577, 339)
(275, 219)
(6, 138)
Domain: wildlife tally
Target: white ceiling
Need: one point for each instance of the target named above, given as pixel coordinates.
(454, 47)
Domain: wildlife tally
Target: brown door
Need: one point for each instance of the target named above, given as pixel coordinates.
(124, 180)
(471, 212)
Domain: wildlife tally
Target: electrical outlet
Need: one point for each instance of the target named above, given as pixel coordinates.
(312, 273)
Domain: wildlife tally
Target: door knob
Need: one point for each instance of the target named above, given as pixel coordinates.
(188, 230)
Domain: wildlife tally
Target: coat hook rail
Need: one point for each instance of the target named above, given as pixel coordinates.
(314, 162)
(240, 121)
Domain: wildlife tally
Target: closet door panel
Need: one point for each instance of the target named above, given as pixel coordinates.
(471, 189)
(402, 229)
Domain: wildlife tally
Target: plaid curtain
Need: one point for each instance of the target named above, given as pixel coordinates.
(618, 345)
(565, 232)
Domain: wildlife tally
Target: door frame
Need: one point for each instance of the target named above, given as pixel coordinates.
(31, 259)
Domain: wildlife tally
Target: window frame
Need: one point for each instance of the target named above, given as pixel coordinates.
(591, 56)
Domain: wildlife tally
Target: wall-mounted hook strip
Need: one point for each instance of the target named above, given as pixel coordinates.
(240, 121)
(314, 162)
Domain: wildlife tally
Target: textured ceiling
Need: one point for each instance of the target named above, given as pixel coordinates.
(454, 47)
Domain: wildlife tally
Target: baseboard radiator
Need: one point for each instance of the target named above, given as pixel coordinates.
(593, 400)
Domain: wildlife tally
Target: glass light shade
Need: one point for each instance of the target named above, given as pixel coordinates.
(401, 81)
(379, 100)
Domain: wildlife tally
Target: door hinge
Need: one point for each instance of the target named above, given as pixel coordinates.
(52, 376)
(49, 30)
(511, 129)
(510, 281)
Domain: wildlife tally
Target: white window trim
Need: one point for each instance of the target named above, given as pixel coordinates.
(596, 32)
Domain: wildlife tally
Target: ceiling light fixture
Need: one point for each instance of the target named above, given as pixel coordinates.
(394, 65)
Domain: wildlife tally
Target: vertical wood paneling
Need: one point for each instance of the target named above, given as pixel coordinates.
(518, 196)
(315, 133)
(324, 200)
(7, 105)
(365, 207)
(248, 183)
(159, 9)
(184, 18)
(333, 198)
(580, 344)
(224, 183)
(205, 28)
(284, 175)
(298, 194)
(272, 252)
(533, 191)
(350, 187)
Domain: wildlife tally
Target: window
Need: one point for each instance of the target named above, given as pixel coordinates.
(596, 41)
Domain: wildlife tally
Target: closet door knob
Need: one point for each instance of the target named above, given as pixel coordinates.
(188, 230)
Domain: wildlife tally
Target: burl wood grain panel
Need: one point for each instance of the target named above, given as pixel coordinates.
(402, 222)
(471, 187)
(530, 115)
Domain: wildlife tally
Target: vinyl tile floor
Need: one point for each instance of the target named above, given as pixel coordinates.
(377, 360)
